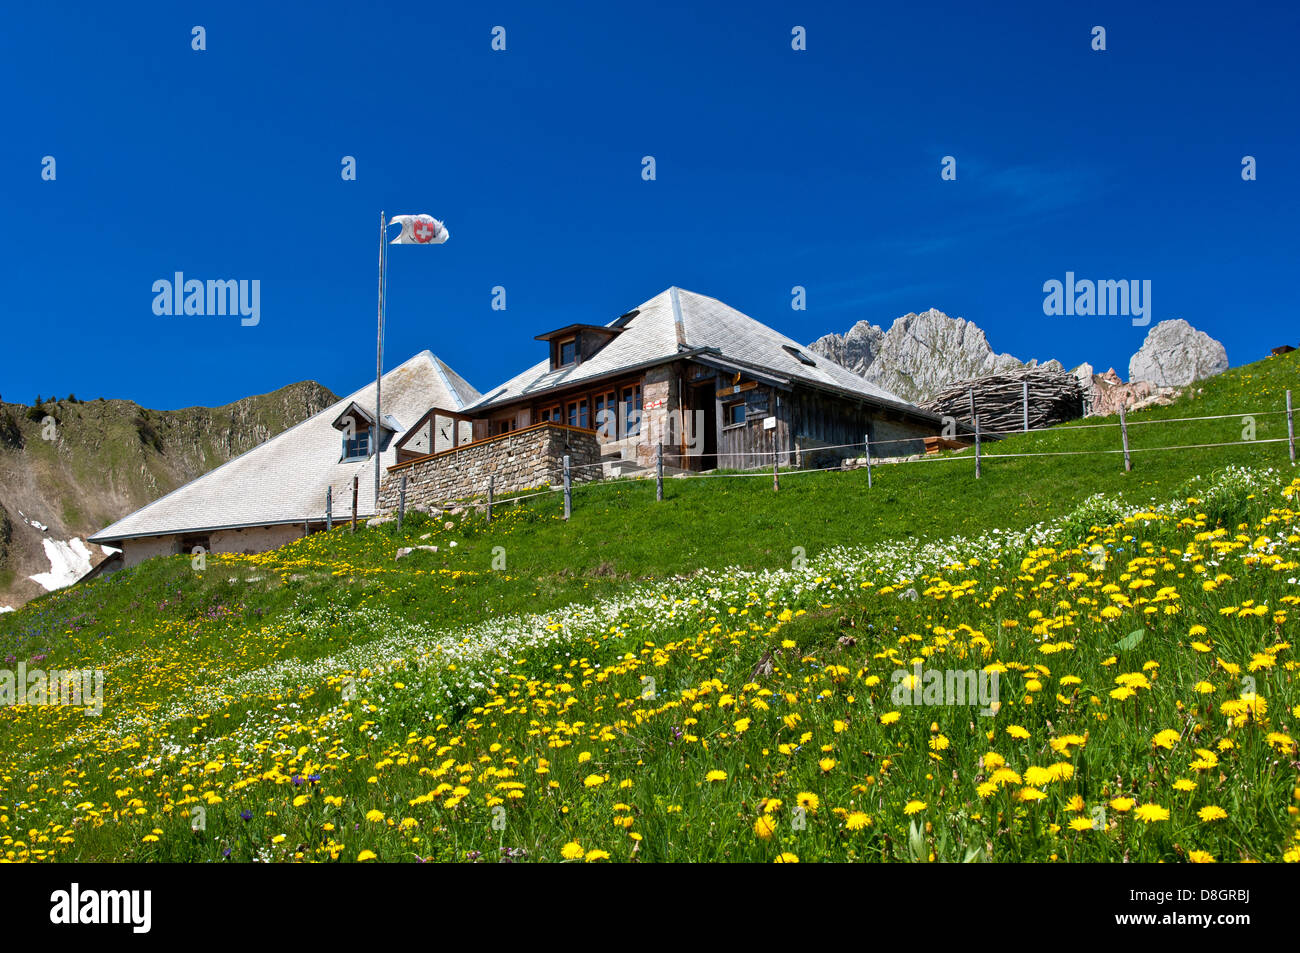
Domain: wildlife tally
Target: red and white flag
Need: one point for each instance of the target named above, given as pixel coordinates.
(420, 230)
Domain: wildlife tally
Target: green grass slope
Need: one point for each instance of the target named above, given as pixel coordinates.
(328, 701)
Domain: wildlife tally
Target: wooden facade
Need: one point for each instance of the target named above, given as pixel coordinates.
(581, 406)
(708, 418)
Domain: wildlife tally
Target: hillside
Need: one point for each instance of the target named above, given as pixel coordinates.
(110, 457)
(714, 676)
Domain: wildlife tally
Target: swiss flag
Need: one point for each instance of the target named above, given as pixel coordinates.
(420, 230)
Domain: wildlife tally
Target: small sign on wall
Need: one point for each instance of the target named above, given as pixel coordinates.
(769, 423)
(737, 389)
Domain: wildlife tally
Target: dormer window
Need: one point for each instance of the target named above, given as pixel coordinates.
(357, 425)
(358, 447)
(575, 343)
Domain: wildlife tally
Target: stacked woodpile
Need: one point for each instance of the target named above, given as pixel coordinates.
(1054, 397)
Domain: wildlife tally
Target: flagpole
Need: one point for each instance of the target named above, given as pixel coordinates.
(379, 356)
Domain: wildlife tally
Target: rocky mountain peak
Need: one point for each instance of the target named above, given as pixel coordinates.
(918, 355)
(1175, 354)
(922, 353)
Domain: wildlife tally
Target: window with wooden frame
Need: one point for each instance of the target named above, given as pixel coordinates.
(733, 414)
(606, 416)
(504, 426)
(550, 413)
(566, 352)
(632, 410)
(579, 414)
(358, 447)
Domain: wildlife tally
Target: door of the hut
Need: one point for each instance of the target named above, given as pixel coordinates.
(704, 411)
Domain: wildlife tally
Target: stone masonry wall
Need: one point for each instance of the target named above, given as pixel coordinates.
(518, 461)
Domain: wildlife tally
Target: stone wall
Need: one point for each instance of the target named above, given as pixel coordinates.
(659, 398)
(518, 461)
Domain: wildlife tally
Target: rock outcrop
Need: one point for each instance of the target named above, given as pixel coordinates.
(1108, 393)
(920, 354)
(1175, 354)
(857, 349)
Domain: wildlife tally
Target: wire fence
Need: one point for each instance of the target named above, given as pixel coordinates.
(564, 483)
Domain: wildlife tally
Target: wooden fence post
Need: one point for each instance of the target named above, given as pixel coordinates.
(1123, 432)
(329, 508)
(1025, 399)
(401, 504)
(568, 489)
(977, 446)
(659, 472)
(354, 504)
(491, 488)
(1290, 427)
(866, 452)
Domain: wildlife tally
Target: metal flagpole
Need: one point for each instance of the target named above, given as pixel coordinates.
(379, 355)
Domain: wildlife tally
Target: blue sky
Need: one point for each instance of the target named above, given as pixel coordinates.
(775, 168)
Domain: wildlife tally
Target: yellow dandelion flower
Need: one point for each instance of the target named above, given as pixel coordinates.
(857, 820)
(1152, 812)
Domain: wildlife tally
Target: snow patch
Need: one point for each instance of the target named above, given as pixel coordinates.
(69, 561)
(6, 608)
(33, 523)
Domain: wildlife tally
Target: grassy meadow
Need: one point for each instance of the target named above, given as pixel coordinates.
(726, 675)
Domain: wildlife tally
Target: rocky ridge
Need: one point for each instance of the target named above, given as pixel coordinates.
(69, 468)
(921, 354)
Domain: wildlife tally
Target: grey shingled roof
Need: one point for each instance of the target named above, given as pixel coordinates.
(284, 479)
(677, 322)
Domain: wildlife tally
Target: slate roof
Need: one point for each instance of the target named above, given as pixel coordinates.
(678, 323)
(284, 479)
